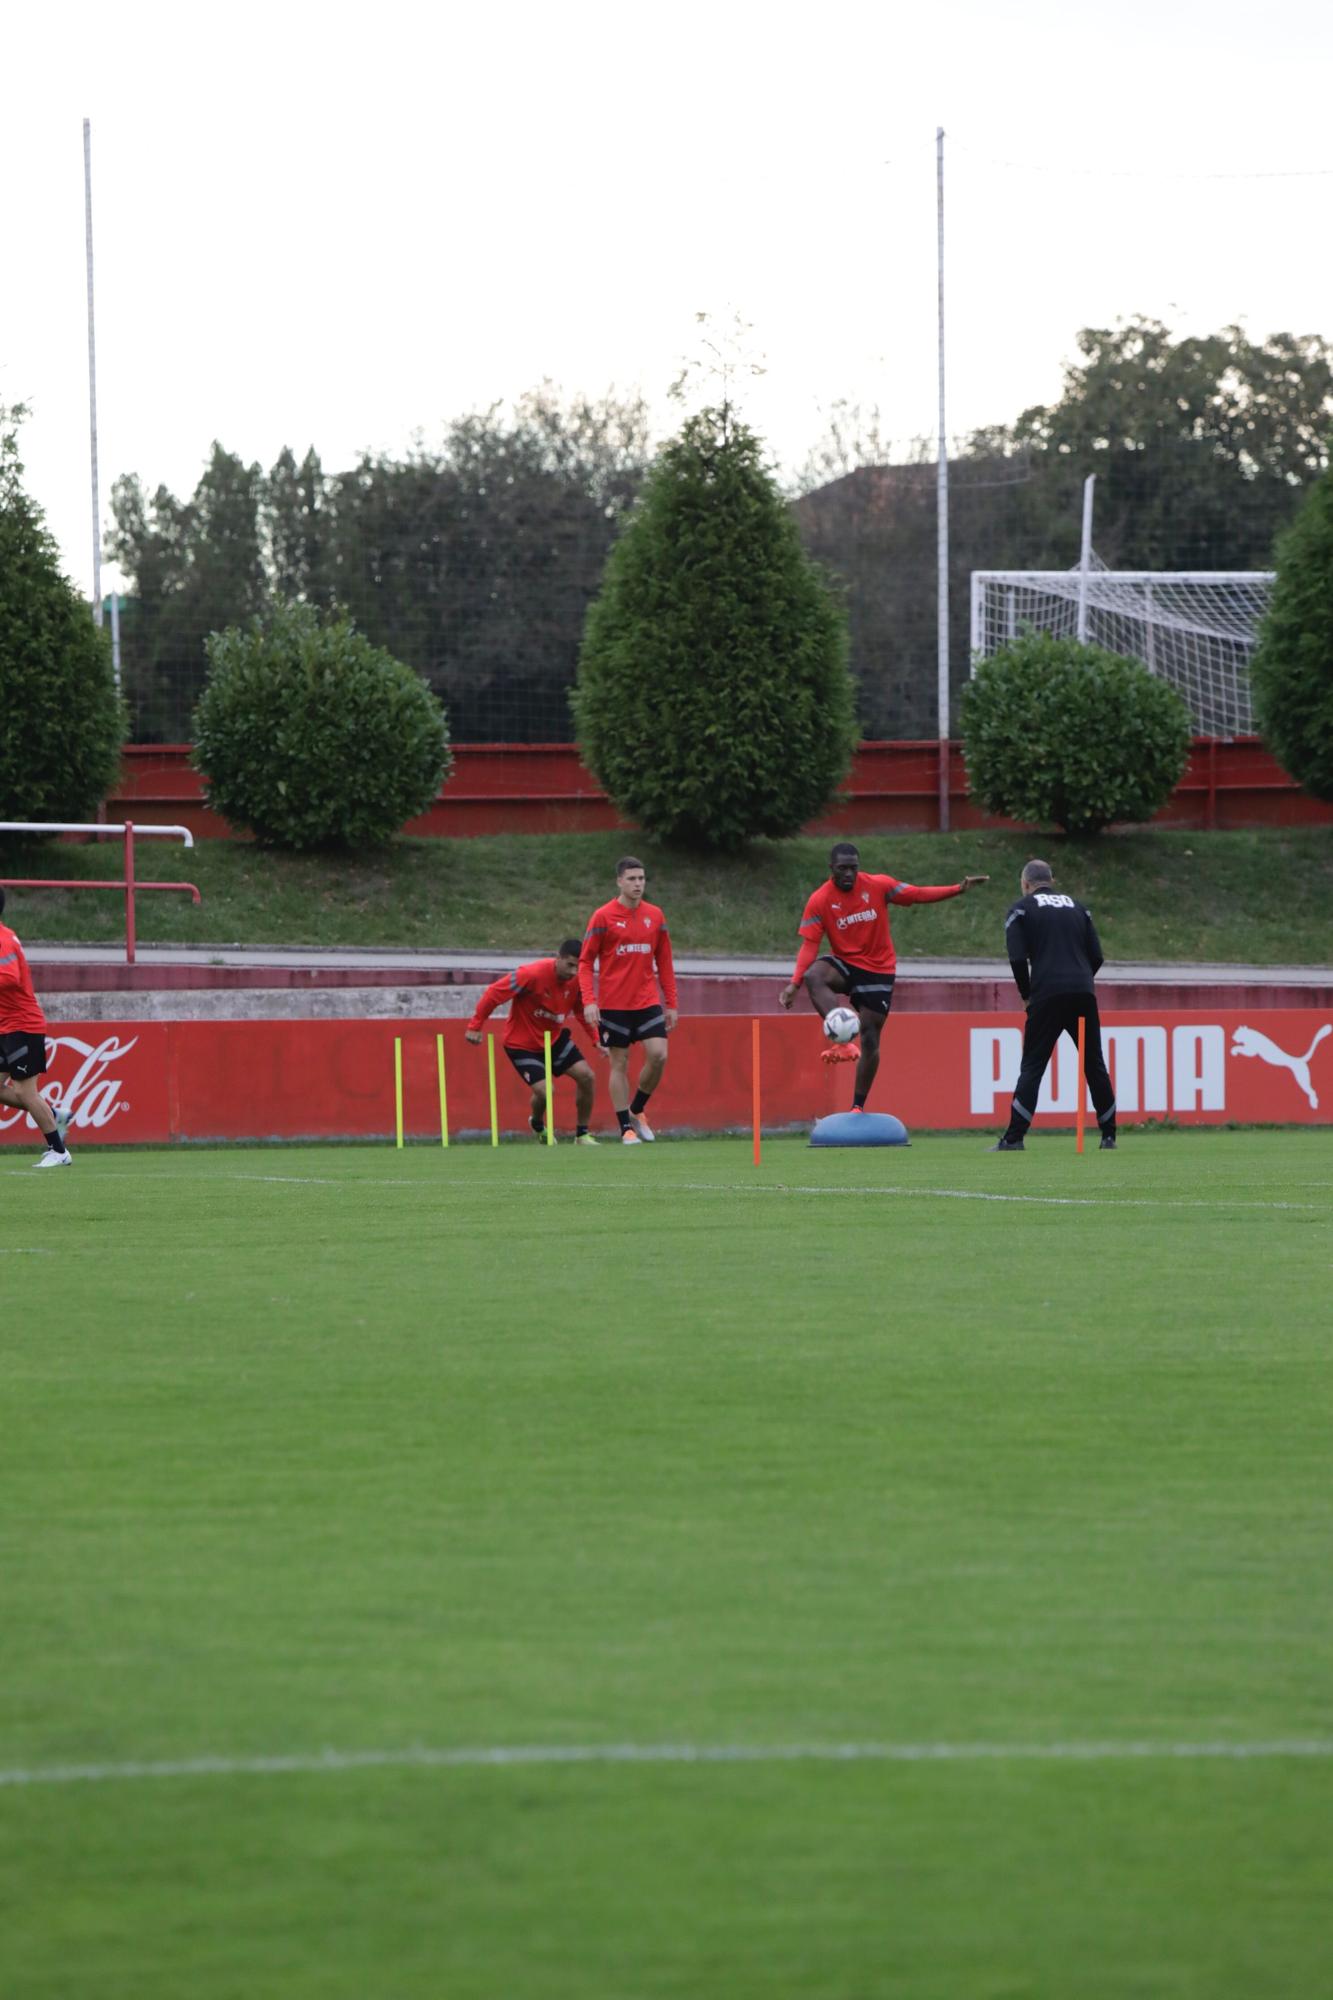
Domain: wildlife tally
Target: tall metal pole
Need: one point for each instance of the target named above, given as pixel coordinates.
(92, 367)
(1085, 557)
(942, 512)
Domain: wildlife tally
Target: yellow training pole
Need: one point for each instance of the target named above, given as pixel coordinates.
(550, 1092)
(398, 1087)
(490, 1067)
(444, 1100)
(1082, 1086)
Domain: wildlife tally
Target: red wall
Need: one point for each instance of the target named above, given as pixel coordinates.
(543, 788)
(144, 1082)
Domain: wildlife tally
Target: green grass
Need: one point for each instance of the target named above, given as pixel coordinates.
(1263, 898)
(359, 1449)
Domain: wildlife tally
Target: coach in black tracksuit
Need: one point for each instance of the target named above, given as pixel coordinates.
(1054, 954)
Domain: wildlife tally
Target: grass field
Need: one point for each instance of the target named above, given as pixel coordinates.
(1262, 898)
(430, 1456)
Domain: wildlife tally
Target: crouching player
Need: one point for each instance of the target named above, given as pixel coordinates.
(23, 1048)
(541, 997)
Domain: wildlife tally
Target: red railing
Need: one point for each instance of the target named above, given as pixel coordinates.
(129, 883)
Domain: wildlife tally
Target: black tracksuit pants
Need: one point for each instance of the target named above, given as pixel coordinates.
(1047, 1021)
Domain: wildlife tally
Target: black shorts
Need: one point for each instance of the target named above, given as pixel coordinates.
(22, 1056)
(871, 990)
(531, 1065)
(619, 1026)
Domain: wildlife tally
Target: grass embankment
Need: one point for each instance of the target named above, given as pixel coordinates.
(1261, 897)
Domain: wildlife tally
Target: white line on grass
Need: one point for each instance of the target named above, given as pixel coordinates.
(421, 1757)
(425, 1186)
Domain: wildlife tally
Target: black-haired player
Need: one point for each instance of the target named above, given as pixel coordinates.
(541, 998)
(852, 911)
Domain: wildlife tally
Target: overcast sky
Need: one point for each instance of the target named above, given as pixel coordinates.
(338, 225)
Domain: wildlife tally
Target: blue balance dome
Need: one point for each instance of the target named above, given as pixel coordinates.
(859, 1128)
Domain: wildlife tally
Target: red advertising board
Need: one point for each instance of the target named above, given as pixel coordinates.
(144, 1082)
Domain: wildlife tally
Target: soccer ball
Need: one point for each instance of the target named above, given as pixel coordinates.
(840, 1024)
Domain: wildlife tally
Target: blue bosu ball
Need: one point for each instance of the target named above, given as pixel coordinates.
(859, 1128)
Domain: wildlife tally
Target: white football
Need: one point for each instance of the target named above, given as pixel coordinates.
(840, 1024)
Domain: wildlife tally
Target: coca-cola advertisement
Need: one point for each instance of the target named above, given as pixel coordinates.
(111, 1079)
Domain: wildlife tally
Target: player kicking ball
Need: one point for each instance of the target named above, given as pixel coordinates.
(541, 998)
(852, 911)
(627, 949)
(23, 1049)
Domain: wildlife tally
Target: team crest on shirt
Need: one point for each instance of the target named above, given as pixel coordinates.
(865, 895)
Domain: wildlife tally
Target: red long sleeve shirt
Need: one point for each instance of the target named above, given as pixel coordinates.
(856, 921)
(633, 951)
(19, 1012)
(539, 1004)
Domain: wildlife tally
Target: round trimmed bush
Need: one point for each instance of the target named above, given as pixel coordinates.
(311, 737)
(1292, 671)
(1056, 733)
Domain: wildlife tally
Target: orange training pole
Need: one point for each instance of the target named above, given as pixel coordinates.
(754, 1071)
(1082, 1086)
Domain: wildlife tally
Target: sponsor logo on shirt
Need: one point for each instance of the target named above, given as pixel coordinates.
(621, 949)
(856, 917)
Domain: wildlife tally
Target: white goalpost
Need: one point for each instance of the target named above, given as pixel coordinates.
(1194, 628)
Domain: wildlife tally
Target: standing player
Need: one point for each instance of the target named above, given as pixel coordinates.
(636, 996)
(541, 996)
(1054, 955)
(852, 911)
(23, 1048)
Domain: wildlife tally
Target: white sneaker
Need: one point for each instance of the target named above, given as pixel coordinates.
(50, 1159)
(629, 1137)
(642, 1127)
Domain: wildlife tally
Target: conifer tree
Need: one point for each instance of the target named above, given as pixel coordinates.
(1292, 671)
(713, 699)
(64, 722)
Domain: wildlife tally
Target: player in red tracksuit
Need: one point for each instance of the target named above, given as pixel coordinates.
(541, 998)
(627, 946)
(852, 911)
(23, 1048)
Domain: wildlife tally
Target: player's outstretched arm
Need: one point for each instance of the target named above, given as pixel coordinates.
(495, 995)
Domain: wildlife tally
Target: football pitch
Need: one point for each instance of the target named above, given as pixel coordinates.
(572, 1575)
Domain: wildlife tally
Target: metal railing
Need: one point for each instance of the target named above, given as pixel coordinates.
(129, 883)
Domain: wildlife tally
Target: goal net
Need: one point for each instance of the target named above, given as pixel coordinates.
(1194, 628)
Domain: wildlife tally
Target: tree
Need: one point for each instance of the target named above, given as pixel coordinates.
(311, 737)
(196, 567)
(475, 562)
(64, 722)
(1292, 670)
(1202, 449)
(713, 697)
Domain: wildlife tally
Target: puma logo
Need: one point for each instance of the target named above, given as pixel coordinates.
(1249, 1042)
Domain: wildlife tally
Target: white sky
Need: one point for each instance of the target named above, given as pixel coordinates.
(340, 225)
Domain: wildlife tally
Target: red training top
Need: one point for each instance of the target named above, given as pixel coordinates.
(19, 1012)
(629, 944)
(856, 921)
(539, 1004)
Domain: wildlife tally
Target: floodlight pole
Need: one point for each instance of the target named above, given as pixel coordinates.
(942, 513)
(1085, 558)
(92, 366)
